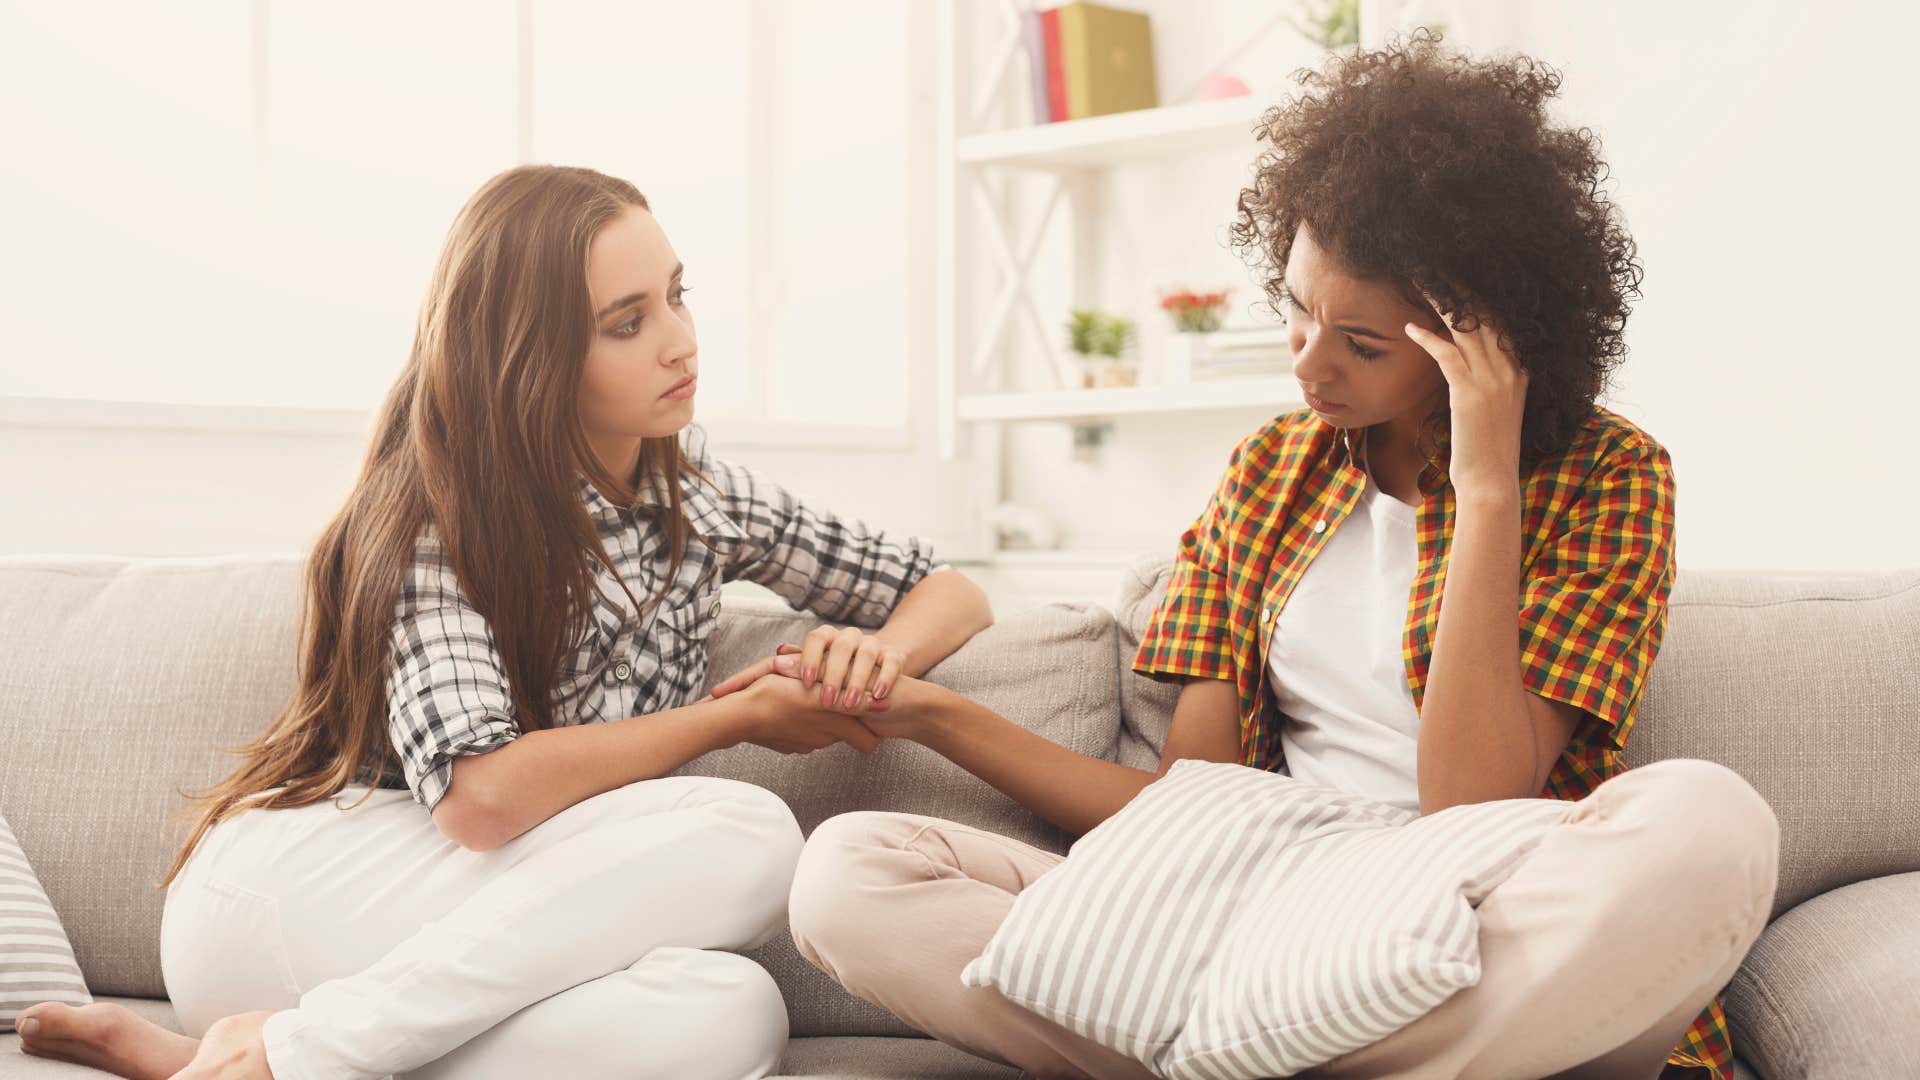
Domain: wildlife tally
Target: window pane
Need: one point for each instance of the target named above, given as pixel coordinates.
(125, 195)
(383, 118)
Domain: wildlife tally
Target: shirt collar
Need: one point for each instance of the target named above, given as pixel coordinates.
(697, 502)
(1344, 449)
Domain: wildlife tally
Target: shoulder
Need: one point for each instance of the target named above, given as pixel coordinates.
(1609, 444)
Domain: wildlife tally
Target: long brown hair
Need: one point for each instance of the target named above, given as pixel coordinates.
(479, 440)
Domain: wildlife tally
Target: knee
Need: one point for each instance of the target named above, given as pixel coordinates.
(768, 846)
(733, 1018)
(833, 883)
(1714, 827)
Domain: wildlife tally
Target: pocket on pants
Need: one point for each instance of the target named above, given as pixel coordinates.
(223, 951)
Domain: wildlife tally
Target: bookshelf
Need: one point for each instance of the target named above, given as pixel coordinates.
(1003, 362)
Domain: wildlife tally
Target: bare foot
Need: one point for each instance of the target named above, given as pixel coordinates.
(104, 1036)
(231, 1050)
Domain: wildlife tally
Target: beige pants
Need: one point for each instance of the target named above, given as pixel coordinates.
(1596, 955)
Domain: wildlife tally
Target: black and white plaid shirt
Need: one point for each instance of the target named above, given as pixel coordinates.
(447, 694)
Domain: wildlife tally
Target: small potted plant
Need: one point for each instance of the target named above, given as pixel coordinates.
(1194, 314)
(1100, 341)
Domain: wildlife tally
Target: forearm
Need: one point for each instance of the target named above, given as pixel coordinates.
(937, 616)
(1476, 739)
(504, 792)
(1071, 790)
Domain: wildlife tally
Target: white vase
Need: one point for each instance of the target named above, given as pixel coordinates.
(1184, 353)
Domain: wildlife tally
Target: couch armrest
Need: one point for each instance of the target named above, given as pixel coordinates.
(1832, 989)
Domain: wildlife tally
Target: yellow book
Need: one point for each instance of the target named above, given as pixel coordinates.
(1107, 57)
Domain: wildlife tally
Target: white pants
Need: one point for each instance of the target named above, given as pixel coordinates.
(587, 947)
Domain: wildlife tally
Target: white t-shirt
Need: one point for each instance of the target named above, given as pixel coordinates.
(1336, 663)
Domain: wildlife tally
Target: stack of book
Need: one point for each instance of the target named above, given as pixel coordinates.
(1249, 352)
(1089, 60)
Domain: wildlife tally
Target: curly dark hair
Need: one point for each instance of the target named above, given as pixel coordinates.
(1423, 167)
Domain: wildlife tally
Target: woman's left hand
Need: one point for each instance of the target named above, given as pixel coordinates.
(1488, 394)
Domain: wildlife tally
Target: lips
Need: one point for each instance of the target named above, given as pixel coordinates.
(1320, 403)
(683, 388)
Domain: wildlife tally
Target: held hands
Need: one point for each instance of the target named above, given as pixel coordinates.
(853, 670)
(1488, 391)
(789, 715)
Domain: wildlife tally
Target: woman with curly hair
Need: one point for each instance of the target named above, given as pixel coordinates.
(457, 852)
(1456, 286)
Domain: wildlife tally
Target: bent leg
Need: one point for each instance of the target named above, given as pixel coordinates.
(1609, 938)
(401, 945)
(676, 1014)
(893, 906)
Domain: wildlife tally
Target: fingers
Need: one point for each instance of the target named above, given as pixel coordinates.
(889, 674)
(860, 674)
(1443, 350)
(833, 674)
(813, 653)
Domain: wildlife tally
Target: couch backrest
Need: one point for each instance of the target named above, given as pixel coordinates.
(1808, 686)
(120, 679)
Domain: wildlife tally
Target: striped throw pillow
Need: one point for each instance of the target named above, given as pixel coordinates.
(36, 962)
(1231, 922)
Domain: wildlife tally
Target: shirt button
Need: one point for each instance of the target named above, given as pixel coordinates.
(714, 608)
(1320, 526)
(622, 670)
(1267, 615)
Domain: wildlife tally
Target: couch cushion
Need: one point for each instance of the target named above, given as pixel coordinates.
(1801, 684)
(1833, 987)
(36, 960)
(1367, 908)
(868, 1058)
(1071, 698)
(119, 679)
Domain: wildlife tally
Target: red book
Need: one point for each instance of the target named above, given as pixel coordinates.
(1056, 72)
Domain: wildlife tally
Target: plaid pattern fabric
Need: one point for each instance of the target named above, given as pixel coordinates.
(447, 693)
(1597, 526)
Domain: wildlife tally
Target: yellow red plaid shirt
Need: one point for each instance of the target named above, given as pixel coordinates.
(1597, 524)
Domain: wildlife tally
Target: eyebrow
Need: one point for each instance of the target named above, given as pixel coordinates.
(634, 298)
(1345, 328)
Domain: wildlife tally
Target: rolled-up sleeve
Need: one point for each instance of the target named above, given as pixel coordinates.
(447, 693)
(1594, 606)
(838, 568)
(1191, 634)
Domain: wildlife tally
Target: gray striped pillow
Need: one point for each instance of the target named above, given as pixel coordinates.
(36, 962)
(1231, 922)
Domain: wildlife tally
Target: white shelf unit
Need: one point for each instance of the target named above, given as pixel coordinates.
(1117, 139)
(1060, 164)
(1224, 393)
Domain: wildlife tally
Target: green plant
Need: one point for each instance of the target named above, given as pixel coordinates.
(1082, 328)
(1094, 333)
(1332, 24)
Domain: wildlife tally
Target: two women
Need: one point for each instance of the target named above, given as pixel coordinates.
(1344, 610)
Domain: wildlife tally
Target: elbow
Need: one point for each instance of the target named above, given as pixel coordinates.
(466, 816)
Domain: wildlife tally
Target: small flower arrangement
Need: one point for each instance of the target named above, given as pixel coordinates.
(1195, 313)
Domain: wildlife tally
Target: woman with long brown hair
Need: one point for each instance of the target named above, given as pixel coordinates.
(506, 627)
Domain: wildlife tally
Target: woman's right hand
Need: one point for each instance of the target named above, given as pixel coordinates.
(783, 715)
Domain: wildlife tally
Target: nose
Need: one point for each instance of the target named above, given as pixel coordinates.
(681, 343)
(1311, 362)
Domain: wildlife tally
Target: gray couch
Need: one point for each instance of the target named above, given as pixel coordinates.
(119, 679)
